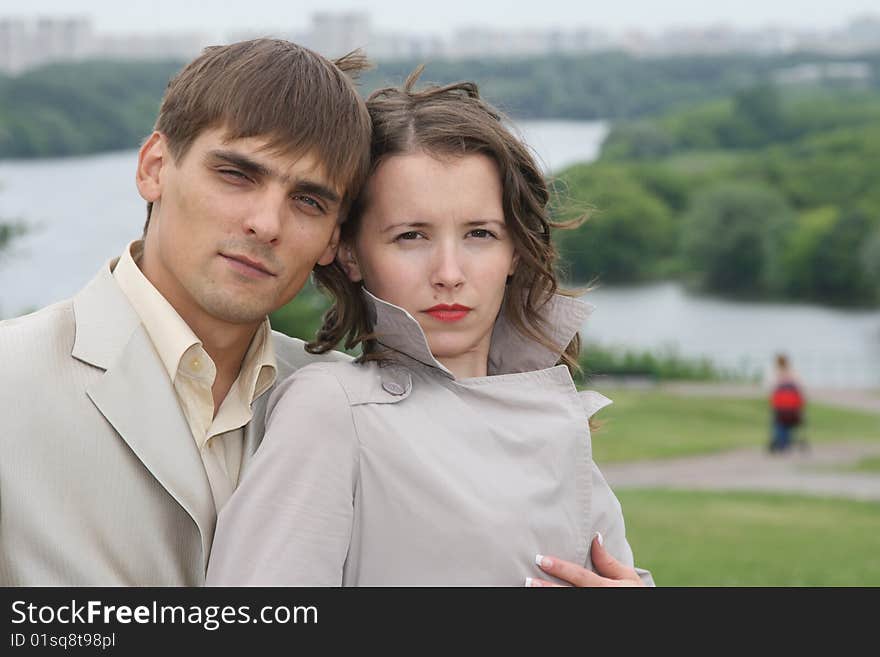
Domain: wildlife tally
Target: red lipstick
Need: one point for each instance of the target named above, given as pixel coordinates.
(448, 313)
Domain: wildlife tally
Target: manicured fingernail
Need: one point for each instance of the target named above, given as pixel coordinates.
(529, 581)
(599, 537)
(544, 562)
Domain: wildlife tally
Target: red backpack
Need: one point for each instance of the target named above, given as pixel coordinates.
(788, 404)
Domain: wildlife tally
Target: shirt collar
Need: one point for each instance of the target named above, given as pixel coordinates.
(259, 366)
(171, 336)
(561, 317)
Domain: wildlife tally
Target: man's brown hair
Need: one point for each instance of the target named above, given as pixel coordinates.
(453, 121)
(297, 99)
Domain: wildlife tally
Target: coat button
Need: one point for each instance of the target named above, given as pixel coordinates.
(393, 388)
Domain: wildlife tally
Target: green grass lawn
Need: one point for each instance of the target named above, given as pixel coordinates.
(868, 465)
(751, 539)
(650, 424)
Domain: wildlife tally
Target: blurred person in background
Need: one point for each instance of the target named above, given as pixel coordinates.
(786, 404)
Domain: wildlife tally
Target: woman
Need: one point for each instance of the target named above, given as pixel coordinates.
(456, 451)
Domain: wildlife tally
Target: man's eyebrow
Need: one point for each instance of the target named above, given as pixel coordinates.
(255, 168)
(243, 162)
(317, 189)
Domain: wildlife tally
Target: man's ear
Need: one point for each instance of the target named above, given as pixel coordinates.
(348, 261)
(330, 252)
(151, 158)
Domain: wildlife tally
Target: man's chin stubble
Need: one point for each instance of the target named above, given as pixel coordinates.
(241, 310)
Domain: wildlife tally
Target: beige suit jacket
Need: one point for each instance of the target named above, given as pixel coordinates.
(101, 483)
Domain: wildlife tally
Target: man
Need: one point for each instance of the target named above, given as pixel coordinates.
(131, 409)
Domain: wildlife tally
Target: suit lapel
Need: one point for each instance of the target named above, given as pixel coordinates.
(138, 400)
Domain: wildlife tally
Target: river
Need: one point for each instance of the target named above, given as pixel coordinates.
(82, 211)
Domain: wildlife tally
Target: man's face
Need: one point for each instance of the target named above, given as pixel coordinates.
(235, 229)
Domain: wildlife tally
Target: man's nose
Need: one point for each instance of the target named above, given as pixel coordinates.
(265, 219)
(447, 270)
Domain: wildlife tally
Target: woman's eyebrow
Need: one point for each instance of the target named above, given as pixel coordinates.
(422, 224)
(486, 222)
(407, 224)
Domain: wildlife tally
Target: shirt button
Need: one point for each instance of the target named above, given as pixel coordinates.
(393, 387)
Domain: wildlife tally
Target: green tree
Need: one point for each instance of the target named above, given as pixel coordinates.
(301, 318)
(629, 231)
(733, 237)
(756, 119)
(638, 140)
(833, 257)
(813, 228)
(836, 274)
(871, 260)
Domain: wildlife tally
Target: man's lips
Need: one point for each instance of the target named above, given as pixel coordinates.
(246, 266)
(448, 313)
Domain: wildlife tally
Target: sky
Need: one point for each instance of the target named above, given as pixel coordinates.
(444, 16)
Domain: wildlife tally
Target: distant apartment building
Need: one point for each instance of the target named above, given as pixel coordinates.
(182, 46)
(334, 34)
(26, 44)
(717, 40)
(30, 43)
(483, 41)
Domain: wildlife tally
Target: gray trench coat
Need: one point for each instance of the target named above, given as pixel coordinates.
(400, 474)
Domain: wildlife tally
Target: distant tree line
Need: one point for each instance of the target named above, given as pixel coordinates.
(76, 108)
(711, 174)
(73, 109)
(757, 196)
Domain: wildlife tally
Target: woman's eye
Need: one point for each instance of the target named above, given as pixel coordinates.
(409, 235)
(481, 233)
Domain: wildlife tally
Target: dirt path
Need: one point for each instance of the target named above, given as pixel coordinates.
(818, 470)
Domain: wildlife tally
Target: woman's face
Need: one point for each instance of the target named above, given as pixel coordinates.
(433, 241)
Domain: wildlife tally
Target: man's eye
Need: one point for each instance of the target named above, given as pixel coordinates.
(309, 202)
(409, 235)
(233, 173)
(481, 233)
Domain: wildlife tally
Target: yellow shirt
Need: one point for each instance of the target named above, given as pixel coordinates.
(220, 438)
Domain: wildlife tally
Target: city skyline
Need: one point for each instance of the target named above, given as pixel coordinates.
(624, 15)
(27, 43)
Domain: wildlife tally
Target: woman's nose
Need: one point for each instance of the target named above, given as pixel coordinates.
(448, 271)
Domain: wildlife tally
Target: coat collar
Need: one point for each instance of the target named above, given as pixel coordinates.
(510, 352)
(135, 397)
(105, 319)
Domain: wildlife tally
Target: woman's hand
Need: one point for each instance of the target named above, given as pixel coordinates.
(609, 571)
